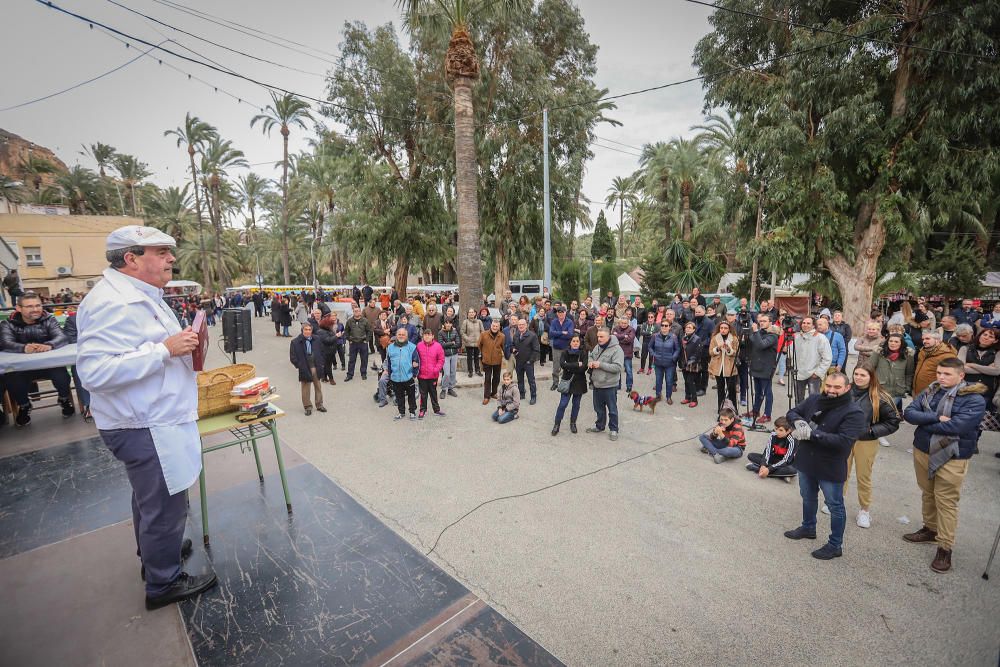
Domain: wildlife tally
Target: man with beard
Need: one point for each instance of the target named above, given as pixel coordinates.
(826, 428)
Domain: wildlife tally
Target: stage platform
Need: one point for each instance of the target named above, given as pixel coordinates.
(328, 585)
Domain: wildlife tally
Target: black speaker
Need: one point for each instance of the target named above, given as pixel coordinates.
(236, 330)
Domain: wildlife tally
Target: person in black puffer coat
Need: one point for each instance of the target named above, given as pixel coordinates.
(82, 395)
(826, 427)
(31, 330)
(306, 354)
(574, 369)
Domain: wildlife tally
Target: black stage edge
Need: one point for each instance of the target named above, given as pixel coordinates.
(54, 493)
(332, 585)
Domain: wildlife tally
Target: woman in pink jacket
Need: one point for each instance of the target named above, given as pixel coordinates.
(431, 362)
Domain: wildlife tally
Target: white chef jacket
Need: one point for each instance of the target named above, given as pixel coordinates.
(133, 380)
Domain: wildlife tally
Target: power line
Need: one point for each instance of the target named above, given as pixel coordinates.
(228, 24)
(216, 44)
(78, 85)
(617, 150)
(816, 29)
(612, 141)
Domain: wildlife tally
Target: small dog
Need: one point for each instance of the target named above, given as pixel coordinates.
(641, 402)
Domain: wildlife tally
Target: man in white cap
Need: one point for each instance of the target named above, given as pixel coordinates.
(136, 362)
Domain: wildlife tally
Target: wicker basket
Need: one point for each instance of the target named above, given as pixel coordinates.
(214, 387)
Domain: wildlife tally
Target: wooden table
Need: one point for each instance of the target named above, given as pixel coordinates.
(243, 433)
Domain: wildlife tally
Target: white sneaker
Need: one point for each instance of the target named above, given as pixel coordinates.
(884, 442)
(864, 519)
(825, 509)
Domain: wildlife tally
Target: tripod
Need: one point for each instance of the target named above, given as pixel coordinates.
(790, 371)
(993, 552)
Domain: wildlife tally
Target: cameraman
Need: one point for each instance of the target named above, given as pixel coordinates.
(745, 320)
(786, 323)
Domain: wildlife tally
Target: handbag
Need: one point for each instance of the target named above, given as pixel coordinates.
(545, 338)
(563, 386)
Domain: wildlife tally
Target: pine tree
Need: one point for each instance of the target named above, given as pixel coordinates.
(603, 245)
(655, 281)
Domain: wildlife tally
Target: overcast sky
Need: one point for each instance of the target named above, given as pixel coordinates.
(642, 43)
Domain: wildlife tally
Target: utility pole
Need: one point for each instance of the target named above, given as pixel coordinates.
(547, 280)
(756, 238)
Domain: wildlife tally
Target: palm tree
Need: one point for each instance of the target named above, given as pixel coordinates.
(282, 113)
(218, 156)
(461, 65)
(34, 168)
(104, 155)
(688, 168)
(170, 211)
(621, 194)
(131, 172)
(252, 189)
(194, 133)
(658, 181)
(80, 186)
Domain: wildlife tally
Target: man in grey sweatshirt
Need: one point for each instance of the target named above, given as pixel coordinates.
(606, 363)
(813, 357)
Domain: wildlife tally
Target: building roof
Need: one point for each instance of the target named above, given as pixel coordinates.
(46, 225)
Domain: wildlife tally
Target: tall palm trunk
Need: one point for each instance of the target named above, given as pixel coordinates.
(687, 216)
(284, 206)
(501, 273)
(201, 223)
(470, 277)
(217, 224)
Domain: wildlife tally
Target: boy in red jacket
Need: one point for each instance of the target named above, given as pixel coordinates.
(726, 440)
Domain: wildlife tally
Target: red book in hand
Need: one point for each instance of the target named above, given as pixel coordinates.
(200, 327)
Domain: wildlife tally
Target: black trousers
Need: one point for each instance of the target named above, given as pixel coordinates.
(337, 353)
(491, 380)
(703, 376)
(757, 460)
(428, 386)
(472, 359)
(726, 388)
(405, 394)
(644, 354)
(358, 349)
(691, 385)
(18, 384)
(544, 352)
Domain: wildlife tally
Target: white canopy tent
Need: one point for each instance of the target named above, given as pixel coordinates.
(627, 287)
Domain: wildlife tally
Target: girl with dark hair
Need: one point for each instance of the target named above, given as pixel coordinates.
(893, 366)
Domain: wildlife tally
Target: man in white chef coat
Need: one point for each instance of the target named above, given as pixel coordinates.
(136, 361)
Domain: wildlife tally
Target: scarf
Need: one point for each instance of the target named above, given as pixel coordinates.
(943, 448)
(893, 356)
(827, 403)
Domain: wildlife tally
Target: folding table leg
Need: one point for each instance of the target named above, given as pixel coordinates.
(281, 463)
(256, 456)
(204, 502)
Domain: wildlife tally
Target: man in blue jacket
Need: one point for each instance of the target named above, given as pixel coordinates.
(947, 415)
(402, 362)
(560, 331)
(665, 348)
(826, 427)
(838, 348)
(967, 314)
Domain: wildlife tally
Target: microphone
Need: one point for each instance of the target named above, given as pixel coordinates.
(175, 270)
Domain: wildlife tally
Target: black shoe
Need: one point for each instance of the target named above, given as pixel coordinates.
(68, 409)
(555, 430)
(532, 401)
(443, 394)
(309, 411)
(701, 392)
(453, 393)
(348, 378)
(186, 548)
(23, 417)
(827, 552)
(321, 409)
(184, 587)
(800, 533)
(572, 427)
(364, 377)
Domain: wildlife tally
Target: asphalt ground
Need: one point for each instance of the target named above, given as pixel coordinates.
(664, 559)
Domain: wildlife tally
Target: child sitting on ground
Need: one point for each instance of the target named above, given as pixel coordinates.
(726, 440)
(776, 461)
(509, 401)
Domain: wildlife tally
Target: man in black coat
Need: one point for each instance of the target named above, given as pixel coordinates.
(525, 350)
(31, 330)
(826, 427)
(306, 354)
(763, 359)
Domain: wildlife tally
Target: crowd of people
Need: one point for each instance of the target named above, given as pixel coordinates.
(947, 374)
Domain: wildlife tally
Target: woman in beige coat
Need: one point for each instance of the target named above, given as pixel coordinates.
(722, 350)
(471, 330)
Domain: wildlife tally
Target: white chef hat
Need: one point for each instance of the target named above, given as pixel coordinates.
(137, 235)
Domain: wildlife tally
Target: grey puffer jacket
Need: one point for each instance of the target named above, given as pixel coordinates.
(15, 333)
(612, 361)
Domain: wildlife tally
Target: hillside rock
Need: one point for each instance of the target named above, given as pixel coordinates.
(14, 149)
